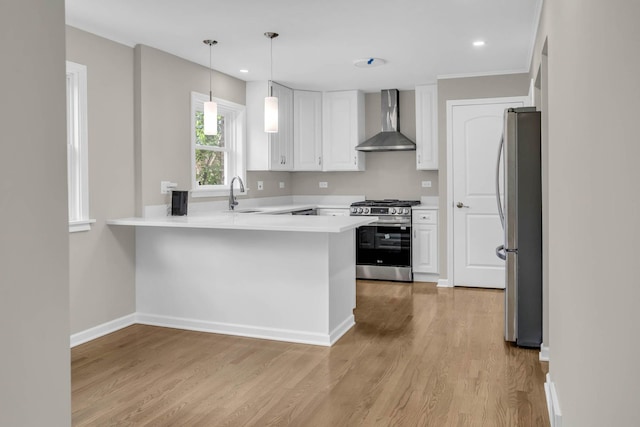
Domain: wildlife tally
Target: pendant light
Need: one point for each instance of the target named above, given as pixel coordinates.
(271, 102)
(210, 108)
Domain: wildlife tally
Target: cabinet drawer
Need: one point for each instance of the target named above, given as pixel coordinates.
(425, 217)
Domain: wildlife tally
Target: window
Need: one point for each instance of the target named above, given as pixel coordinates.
(216, 159)
(77, 153)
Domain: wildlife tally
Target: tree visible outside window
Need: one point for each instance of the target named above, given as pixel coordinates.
(216, 159)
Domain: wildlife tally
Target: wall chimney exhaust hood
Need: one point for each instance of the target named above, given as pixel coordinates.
(390, 139)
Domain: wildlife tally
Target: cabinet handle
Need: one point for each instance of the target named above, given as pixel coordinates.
(414, 234)
(319, 161)
(419, 159)
(354, 159)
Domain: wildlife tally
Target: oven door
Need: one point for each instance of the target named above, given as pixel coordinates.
(384, 245)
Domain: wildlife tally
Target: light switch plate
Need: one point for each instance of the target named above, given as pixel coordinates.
(426, 184)
(281, 184)
(260, 185)
(323, 184)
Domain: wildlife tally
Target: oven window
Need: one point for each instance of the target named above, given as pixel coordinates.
(384, 245)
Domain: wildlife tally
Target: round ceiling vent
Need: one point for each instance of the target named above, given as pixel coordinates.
(369, 62)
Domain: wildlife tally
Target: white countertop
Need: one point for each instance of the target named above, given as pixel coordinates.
(254, 221)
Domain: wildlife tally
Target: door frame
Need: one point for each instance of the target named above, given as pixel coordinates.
(526, 100)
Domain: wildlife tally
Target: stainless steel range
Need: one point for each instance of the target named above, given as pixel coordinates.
(383, 248)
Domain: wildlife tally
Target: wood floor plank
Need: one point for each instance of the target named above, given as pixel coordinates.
(418, 356)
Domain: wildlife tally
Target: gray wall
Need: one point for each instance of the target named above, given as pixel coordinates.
(34, 268)
(102, 260)
(594, 208)
(466, 88)
(387, 174)
(162, 111)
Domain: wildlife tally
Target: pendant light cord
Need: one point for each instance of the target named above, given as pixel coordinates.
(210, 72)
(271, 68)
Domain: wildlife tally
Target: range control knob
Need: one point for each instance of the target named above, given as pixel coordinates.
(366, 210)
(406, 210)
(354, 210)
(393, 210)
(359, 210)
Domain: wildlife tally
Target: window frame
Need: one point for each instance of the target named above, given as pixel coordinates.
(234, 144)
(77, 148)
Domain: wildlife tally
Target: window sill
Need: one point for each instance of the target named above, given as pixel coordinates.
(81, 225)
(217, 192)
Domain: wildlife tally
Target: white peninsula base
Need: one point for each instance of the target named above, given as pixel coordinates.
(280, 285)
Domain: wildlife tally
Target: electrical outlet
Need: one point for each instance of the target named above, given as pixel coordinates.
(260, 185)
(426, 184)
(167, 186)
(323, 184)
(281, 184)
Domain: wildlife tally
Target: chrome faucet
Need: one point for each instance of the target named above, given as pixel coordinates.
(232, 200)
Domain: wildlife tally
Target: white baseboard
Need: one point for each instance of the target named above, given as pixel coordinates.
(341, 329)
(426, 277)
(553, 404)
(100, 330)
(444, 283)
(544, 353)
(301, 337)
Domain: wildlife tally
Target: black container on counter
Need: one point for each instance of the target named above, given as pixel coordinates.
(179, 201)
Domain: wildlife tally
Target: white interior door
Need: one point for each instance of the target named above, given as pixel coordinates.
(476, 130)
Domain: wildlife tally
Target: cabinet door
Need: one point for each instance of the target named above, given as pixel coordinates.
(425, 248)
(427, 127)
(282, 141)
(307, 130)
(342, 130)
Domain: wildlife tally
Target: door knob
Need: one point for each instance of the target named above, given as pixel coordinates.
(461, 205)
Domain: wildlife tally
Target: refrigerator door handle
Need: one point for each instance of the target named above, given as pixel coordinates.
(501, 252)
(500, 211)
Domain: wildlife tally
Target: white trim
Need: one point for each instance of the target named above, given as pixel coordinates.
(77, 144)
(81, 225)
(287, 335)
(449, 200)
(553, 404)
(544, 353)
(426, 277)
(481, 74)
(444, 283)
(101, 330)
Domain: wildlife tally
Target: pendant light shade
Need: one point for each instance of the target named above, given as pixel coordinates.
(271, 114)
(210, 118)
(271, 102)
(210, 108)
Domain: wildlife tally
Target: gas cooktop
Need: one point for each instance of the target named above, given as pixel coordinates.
(387, 203)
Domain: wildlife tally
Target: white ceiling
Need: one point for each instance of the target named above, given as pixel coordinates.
(320, 39)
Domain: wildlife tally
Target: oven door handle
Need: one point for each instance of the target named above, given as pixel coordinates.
(390, 224)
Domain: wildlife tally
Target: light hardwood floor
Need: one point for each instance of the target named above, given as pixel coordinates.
(418, 356)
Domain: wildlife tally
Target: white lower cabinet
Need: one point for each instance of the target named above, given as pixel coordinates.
(425, 245)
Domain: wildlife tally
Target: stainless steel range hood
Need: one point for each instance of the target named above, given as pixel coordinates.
(390, 139)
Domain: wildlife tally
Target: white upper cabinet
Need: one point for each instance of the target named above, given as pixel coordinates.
(267, 151)
(427, 127)
(342, 130)
(307, 130)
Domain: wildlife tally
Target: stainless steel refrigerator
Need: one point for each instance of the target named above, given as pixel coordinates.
(520, 211)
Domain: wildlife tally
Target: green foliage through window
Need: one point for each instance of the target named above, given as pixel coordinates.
(210, 155)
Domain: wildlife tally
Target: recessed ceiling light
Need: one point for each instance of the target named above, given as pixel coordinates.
(478, 43)
(244, 71)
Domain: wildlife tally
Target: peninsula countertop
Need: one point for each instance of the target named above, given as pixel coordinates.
(263, 220)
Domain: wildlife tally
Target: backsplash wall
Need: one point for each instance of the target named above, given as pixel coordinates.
(390, 174)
